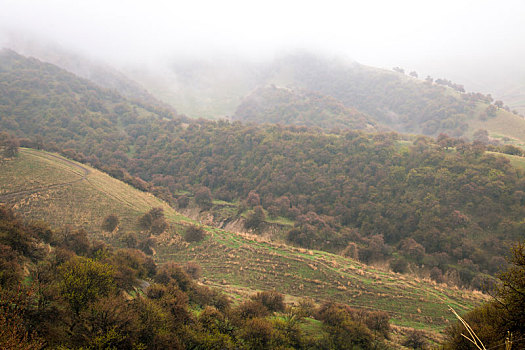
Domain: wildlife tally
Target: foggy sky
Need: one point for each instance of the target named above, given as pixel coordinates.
(413, 33)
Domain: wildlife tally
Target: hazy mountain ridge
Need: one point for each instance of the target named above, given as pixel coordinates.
(404, 103)
(401, 102)
(300, 107)
(99, 73)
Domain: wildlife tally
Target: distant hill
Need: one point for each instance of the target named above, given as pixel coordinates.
(400, 101)
(299, 107)
(99, 73)
(404, 103)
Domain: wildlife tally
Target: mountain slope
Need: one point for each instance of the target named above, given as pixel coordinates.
(41, 185)
(399, 101)
(404, 103)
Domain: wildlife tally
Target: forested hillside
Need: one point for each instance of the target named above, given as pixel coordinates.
(298, 107)
(445, 205)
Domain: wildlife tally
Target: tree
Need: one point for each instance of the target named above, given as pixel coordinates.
(481, 135)
(272, 300)
(83, 280)
(154, 221)
(255, 218)
(415, 339)
(253, 199)
(183, 202)
(203, 198)
(257, 333)
(511, 293)
(504, 315)
(414, 74)
(399, 265)
(398, 70)
(9, 145)
(13, 330)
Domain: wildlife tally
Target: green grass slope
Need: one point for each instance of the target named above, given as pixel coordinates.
(236, 262)
(41, 185)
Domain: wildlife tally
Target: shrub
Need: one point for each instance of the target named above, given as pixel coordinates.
(251, 309)
(272, 300)
(257, 333)
(110, 223)
(415, 340)
(349, 335)
(399, 265)
(129, 239)
(378, 321)
(194, 234)
(154, 221)
(193, 269)
(255, 218)
(437, 275)
(84, 280)
(171, 273)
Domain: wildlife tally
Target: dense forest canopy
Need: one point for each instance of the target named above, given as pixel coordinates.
(444, 204)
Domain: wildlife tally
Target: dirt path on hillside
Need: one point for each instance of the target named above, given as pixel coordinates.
(85, 173)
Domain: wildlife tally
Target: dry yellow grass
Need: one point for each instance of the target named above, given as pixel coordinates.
(62, 192)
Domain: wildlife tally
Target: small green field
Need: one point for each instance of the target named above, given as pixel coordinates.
(40, 185)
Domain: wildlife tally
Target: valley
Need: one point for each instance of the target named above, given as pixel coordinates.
(364, 192)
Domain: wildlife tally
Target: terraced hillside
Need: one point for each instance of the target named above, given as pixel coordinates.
(234, 262)
(40, 185)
